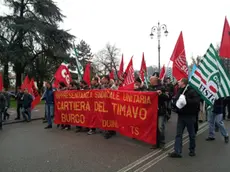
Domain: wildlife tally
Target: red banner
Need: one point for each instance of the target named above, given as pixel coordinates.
(133, 114)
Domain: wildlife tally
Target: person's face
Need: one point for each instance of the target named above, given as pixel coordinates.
(26, 91)
(153, 80)
(48, 85)
(181, 84)
(93, 82)
(168, 81)
(138, 84)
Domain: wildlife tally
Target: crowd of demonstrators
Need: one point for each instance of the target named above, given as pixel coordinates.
(193, 111)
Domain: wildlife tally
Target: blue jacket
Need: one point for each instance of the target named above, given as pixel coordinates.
(49, 96)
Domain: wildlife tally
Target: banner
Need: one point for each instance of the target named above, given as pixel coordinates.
(133, 114)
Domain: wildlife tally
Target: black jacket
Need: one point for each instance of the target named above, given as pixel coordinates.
(19, 98)
(218, 106)
(27, 101)
(2, 102)
(141, 88)
(192, 106)
(162, 99)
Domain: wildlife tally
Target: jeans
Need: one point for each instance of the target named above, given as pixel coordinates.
(49, 110)
(216, 119)
(161, 129)
(182, 122)
(28, 112)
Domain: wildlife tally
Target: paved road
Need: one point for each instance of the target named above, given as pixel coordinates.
(37, 113)
(26, 147)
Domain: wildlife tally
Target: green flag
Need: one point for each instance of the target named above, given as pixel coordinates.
(79, 69)
(210, 79)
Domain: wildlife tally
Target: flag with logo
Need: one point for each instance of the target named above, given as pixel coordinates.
(79, 68)
(180, 67)
(210, 79)
(62, 75)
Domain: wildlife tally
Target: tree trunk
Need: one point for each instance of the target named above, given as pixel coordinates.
(18, 78)
(6, 82)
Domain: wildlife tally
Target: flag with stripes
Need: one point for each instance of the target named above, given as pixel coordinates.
(210, 79)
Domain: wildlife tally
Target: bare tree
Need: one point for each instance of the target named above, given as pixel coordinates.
(107, 59)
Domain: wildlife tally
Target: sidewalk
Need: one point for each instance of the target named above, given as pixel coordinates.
(37, 114)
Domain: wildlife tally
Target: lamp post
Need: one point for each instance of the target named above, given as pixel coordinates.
(157, 30)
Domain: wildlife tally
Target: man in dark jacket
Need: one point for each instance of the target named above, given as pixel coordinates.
(2, 107)
(215, 116)
(49, 106)
(27, 100)
(19, 103)
(170, 90)
(155, 85)
(7, 97)
(186, 118)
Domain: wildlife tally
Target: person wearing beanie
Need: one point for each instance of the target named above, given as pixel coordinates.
(139, 85)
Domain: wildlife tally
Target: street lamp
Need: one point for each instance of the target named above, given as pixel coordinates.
(157, 30)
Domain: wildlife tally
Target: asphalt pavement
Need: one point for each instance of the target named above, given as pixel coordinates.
(28, 147)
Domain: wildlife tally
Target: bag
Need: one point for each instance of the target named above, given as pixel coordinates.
(181, 102)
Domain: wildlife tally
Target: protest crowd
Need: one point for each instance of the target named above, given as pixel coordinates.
(190, 97)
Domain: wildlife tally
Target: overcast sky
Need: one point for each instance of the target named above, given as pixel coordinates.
(127, 23)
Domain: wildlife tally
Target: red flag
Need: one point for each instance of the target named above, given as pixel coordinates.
(111, 75)
(225, 42)
(129, 76)
(121, 70)
(26, 83)
(86, 76)
(62, 75)
(1, 82)
(34, 92)
(180, 67)
(162, 73)
(143, 69)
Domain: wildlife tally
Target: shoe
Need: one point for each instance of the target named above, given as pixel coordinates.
(91, 132)
(44, 121)
(58, 125)
(226, 139)
(48, 127)
(210, 139)
(174, 155)
(192, 154)
(154, 147)
(162, 146)
(78, 130)
(17, 118)
(200, 121)
(107, 136)
(67, 128)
